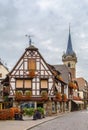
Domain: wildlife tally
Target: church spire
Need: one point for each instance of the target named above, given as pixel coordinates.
(69, 50)
(69, 58)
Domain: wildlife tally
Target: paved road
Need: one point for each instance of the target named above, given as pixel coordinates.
(71, 121)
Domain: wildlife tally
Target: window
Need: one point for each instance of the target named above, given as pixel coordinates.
(19, 83)
(44, 83)
(69, 65)
(32, 64)
(23, 83)
(32, 67)
(27, 84)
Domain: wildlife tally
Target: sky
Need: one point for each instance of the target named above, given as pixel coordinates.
(47, 21)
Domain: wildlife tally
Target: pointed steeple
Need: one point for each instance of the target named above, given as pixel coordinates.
(69, 58)
(69, 50)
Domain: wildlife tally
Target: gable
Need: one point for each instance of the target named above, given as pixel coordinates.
(31, 60)
(31, 72)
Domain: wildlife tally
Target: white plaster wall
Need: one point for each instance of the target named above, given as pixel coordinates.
(3, 71)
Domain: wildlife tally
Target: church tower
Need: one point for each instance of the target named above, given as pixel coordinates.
(69, 57)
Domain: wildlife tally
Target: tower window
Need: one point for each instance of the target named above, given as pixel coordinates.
(69, 65)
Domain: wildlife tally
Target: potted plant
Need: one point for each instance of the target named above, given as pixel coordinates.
(18, 94)
(70, 84)
(60, 78)
(44, 95)
(58, 96)
(28, 94)
(64, 97)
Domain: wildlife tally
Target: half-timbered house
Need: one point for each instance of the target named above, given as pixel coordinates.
(34, 81)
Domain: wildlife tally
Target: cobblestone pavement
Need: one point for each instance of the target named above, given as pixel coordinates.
(71, 121)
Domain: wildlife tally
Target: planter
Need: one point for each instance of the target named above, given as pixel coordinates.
(59, 96)
(76, 98)
(64, 97)
(28, 94)
(18, 93)
(72, 85)
(32, 73)
(59, 77)
(44, 95)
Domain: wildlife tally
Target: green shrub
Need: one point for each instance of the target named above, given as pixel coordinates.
(41, 110)
(29, 111)
(28, 93)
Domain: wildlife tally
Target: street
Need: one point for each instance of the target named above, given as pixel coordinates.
(71, 121)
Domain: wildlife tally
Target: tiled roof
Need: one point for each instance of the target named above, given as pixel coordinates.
(64, 70)
(81, 83)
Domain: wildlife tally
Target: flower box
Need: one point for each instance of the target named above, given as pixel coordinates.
(64, 97)
(59, 96)
(44, 95)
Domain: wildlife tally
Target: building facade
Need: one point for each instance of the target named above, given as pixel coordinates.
(34, 81)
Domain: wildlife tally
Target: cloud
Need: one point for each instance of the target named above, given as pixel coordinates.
(48, 22)
(44, 5)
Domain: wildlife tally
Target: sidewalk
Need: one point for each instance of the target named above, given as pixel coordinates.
(25, 124)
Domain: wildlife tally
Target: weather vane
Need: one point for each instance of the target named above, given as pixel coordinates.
(29, 38)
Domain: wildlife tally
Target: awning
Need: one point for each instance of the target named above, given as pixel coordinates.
(78, 102)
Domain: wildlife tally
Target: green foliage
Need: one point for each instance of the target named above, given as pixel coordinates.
(18, 93)
(6, 99)
(30, 111)
(41, 110)
(28, 93)
(44, 94)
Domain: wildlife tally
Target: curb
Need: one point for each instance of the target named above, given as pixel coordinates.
(59, 115)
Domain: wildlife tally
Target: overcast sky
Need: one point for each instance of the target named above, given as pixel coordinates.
(48, 22)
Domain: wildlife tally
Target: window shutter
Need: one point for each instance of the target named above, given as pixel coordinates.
(32, 64)
(19, 83)
(44, 83)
